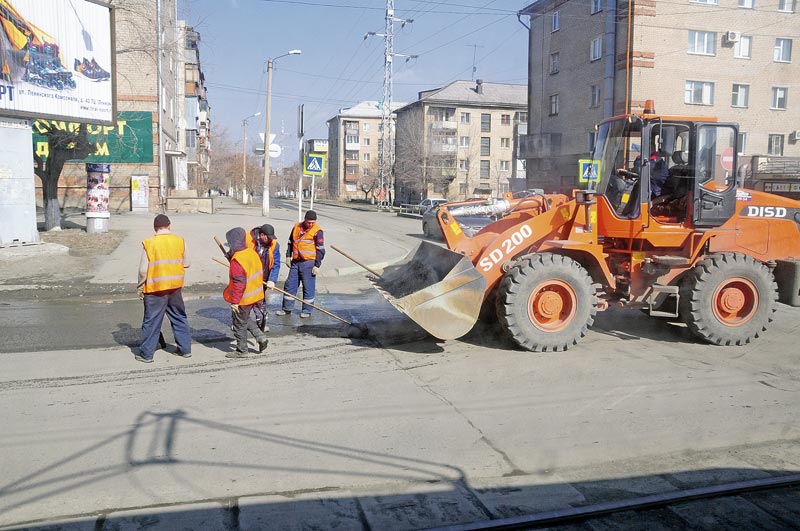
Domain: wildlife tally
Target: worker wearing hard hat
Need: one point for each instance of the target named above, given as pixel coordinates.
(304, 257)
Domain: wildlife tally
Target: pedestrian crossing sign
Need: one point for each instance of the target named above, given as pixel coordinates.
(314, 164)
(589, 170)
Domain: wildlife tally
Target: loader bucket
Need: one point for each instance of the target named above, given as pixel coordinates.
(438, 289)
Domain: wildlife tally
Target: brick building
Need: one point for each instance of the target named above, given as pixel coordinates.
(731, 59)
(354, 139)
(139, 89)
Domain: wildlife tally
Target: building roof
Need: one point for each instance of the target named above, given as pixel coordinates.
(366, 109)
(466, 93)
(532, 8)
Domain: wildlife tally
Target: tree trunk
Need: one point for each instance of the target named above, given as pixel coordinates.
(52, 210)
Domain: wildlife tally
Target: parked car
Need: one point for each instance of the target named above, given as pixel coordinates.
(425, 204)
(469, 224)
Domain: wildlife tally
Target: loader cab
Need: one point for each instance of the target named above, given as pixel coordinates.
(675, 170)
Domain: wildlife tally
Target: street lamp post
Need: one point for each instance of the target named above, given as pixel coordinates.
(244, 156)
(265, 198)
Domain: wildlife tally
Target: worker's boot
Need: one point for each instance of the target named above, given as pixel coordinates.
(262, 344)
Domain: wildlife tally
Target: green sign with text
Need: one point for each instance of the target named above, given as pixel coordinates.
(130, 139)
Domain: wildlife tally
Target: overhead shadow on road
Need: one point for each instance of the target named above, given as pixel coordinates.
(411, 493)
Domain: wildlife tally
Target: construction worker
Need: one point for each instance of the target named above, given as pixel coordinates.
(161, 273)
(244, 291)
(304, 258)
(266, 245)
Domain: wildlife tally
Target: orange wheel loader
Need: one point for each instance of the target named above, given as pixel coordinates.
(661, 227)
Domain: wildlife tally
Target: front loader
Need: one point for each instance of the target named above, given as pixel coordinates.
(662, 228)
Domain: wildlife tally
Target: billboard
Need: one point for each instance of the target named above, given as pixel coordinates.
(56, 60)
(129, 139)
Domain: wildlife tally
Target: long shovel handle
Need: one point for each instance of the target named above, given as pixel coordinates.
(326, 312)
(279, 290)
(221, 248)
(354, 260)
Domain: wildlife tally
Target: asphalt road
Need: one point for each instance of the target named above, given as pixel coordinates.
(394, 431)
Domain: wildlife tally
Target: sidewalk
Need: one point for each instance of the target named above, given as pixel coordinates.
(198, 230)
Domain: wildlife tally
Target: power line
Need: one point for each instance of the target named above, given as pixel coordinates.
(494, 11)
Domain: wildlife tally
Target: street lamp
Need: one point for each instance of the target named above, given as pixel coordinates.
(265, 198)
(244, 156)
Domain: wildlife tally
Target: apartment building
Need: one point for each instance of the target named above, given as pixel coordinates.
(195, 115)
(731, 59)
(354, 142)
(459, 141)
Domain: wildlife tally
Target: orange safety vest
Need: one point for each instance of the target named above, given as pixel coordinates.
(254, 272)
(249, 241)
(271, 254)
(303, 247)
(165, 269)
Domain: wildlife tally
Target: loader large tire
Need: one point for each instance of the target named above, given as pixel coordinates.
(546, 302)
(728, 299)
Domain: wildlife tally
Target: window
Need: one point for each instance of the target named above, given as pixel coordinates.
(747, 4)
(595, 95)
(486, 146)
(366, 157)
(505, 142)
(596, 6)
(505, 165)
(521, 117)
(441, 114)
(783, 50)
(351, 139)
(775, 145)
(350, 170)
(191, 138)
(554, 105)
(786, 6)
(556, 22)
(463, 164)
(463, 141)
(366, 127)
(743, 48)
(365, 172)
(699, 93)
(702, 42)
(779, 98)
(351, 155)
(485, 169)
(554, 63)
(742, 143)
(714, 2)
(486, 123)
(591, 139)
(740, 95)
(464, 117)
(366, 141)
(596, 49)
(505, 119)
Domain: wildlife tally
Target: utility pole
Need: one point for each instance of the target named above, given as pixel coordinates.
(474, 50)
(386, 148)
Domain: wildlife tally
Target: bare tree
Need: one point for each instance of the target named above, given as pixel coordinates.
(63, 144)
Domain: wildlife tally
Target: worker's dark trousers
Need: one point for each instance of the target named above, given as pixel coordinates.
(155, 306)
(300, 272)
(242, 324)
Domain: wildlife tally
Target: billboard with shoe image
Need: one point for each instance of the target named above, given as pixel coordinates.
(56, 60)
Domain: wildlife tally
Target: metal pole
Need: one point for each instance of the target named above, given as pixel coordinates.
(265, 198)
(161, 103)
(244, 161)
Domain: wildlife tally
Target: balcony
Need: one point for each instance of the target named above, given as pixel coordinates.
(446, 125)
(439, 149)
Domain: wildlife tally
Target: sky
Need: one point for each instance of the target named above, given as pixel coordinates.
(338, 67)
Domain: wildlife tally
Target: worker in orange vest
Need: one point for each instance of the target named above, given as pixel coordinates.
(161, 273)
(244, 292)
(304, 258)
(268, 249)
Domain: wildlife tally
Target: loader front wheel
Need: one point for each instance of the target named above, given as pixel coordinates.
(728, 299)
(546, 302)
